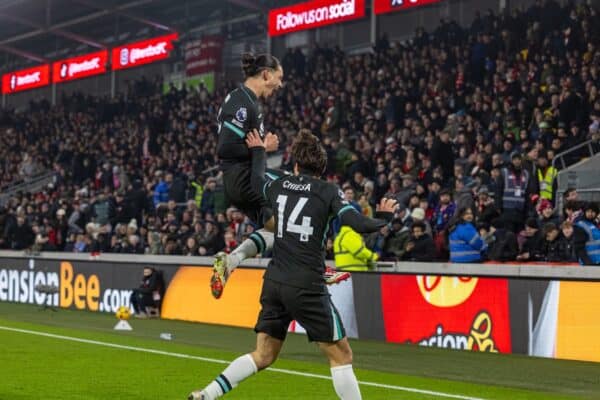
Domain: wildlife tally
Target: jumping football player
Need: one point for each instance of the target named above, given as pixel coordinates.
(240, 114)
(293, 286)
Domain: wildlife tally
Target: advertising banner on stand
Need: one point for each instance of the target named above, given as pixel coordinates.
(463, 313)
(578, 325)
(203, 55)
(26, 79)
(143, 52)
(188, 297)
(388, 6)
(313, 14)
(80, 67)
(82, 285)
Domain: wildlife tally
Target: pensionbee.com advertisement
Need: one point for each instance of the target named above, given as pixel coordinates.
(82, 285)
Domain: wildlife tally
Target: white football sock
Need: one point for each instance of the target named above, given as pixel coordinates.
(260, 241)
(345, 383)
(240, 369)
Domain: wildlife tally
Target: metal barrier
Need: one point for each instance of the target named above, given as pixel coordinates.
(32, 184)
(561, 156)
(522, 271)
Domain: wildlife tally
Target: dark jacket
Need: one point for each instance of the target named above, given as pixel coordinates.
(424, 249)
(442, 154)
(532, 245)
(21, 237)
(570, 251)
(487, 213)
(504, 246)
(552, 251)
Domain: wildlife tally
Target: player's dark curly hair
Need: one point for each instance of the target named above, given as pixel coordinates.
(308, 153)
(252, 65)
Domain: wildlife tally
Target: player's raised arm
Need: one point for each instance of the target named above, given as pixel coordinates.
(257, 148)
(361, 224)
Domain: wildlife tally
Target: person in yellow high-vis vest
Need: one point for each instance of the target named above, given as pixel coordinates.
(351, 253)
(546, 175)
(199, 187)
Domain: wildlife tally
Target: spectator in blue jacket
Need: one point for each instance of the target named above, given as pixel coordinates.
(465, 243)
(161, 190)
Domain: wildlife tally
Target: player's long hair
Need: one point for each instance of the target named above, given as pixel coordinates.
(308, 153)
(252, 65)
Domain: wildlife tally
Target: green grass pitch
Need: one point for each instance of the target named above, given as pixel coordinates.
(72, 355)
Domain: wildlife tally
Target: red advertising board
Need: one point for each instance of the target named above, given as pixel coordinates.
(143, 52)
(448, 312)
(387, 6)
(203, 55)
(26, 79)
(313, 14)
(80, 67)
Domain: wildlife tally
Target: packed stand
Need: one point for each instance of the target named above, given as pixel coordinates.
(460, 125)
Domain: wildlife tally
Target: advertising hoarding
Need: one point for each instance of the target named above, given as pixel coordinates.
(80, 67)
(26, 79)
(143, 52)
(313, 14)
(203, 55)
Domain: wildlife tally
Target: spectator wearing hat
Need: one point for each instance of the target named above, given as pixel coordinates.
(418, 215)
(546, 213)
(530, 240)
(546, 177)
(592, 244)
(420, 246)
(465, 243)
(514, 192)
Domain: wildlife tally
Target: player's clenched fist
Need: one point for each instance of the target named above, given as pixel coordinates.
(253, 140)
(271, 142)
(387, 205)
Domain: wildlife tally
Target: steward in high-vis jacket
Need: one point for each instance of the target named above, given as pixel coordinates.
(592, 245)
(464, 241)
(513, 193)
(351, 253)
(546, 177)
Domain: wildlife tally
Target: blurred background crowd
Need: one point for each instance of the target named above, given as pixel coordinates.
(461, 125)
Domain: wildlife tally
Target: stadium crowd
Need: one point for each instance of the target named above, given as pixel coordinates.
(460, 125)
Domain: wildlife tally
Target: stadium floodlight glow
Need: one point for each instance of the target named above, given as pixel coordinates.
(26, 79)
(79, 67)
(388, 6)
(313, 14)
(143, 52)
